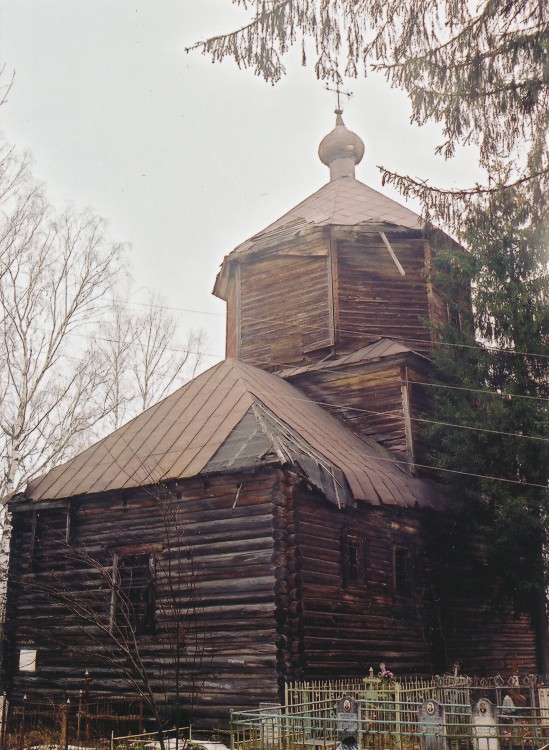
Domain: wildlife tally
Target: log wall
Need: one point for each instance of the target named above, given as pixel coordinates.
(215, 585)
(475, 627)
(259, 590)
(349, 627)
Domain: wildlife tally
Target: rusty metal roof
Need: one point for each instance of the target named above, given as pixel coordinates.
(180, 435)
(383, 348)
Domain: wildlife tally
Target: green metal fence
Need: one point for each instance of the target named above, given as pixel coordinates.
(478, 714)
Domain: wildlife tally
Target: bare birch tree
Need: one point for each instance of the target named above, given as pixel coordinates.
(72, 366)
(55, 273)
(146, 359)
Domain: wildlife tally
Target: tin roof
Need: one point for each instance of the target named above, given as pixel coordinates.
(383, 348)
(341, 202)
(344, 202)
(179, 437)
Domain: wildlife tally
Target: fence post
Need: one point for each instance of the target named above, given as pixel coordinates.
(398, 714)
(22, 725)
(4, 728)
(64, 733)
(79, 716)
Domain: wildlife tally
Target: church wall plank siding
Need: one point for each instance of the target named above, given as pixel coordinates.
(232, 325)
(369, 402)
(374, 299)
(349, 627)
(284, 309)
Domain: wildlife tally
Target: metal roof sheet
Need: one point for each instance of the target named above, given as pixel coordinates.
(177, 438)
(380, 349)
(341, 202)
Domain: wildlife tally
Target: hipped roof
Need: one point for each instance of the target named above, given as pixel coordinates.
(180, 435)
(345, 202)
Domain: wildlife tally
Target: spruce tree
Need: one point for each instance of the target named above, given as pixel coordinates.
(495, 387)
(480, 69)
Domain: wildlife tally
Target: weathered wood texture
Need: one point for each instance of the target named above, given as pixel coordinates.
(284, 309)
(348, 627)
(376, 300)
(382, 400)
(232, 324)
(315, 295)
(213, 550)
(368, 400)
(259, 588)
(421, 406)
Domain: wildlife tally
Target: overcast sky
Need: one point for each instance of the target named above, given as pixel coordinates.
(185, 159)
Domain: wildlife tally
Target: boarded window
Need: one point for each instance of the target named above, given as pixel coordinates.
(402, 570)
(352, 559)
(133, 603)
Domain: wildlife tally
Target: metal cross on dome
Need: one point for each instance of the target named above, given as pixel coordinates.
(339, 93)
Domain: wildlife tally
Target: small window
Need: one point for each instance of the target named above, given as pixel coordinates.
(133, 602)
(454, 318)
(402, 570)
(352, 559)
(27, 660)
(36, 539)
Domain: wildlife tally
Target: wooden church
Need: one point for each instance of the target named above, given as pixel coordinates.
(268, 521)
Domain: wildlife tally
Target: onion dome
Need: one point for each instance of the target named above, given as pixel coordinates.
(341, 150)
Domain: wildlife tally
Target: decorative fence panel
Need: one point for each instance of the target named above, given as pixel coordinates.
(478, 714)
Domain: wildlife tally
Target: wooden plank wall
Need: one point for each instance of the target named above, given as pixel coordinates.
(232, 323)
(285, 309)
(369, 402)
(221, 530)
(421, 405)
(374, 299)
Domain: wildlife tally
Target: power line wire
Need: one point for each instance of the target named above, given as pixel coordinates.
(483, 391)
(372, 412)
(387, 459)
(351, 331)
(168, 307)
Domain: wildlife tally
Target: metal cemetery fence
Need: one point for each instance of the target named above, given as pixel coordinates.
(81, 724)
(98, 723)
(449, 713)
